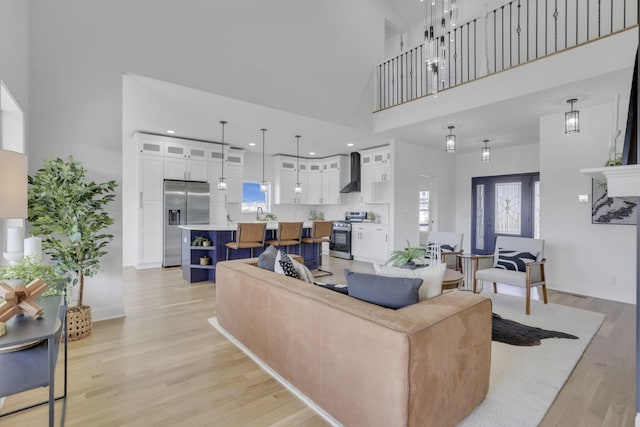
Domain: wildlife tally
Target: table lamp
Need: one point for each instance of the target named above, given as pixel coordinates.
(13, 199)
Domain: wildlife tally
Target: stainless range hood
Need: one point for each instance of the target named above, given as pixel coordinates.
(353, 185)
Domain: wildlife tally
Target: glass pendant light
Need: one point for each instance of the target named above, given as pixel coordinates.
(450, 141)
(298, 187)
(486, 152)
(572, 119)
(222, 181)
(263, 184)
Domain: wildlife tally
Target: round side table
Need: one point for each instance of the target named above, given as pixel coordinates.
(469, 267)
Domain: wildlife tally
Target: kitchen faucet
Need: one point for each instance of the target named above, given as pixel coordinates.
(258, 212)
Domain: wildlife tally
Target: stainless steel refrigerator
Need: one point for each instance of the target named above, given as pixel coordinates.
(185, 203)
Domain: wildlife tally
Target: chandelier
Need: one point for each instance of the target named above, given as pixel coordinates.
(439, 21)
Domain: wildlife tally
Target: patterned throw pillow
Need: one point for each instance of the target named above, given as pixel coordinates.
(287, 265)
(443, 248)
(514, 260)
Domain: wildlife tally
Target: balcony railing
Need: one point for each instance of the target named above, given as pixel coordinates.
(513, 34)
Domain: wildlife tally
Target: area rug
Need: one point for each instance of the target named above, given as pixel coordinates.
(524, 380)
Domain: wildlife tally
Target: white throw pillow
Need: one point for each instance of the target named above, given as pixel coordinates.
(277, 268)
(303, 271)
(431, 277)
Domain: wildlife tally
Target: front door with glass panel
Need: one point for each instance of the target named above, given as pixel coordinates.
(504, 206)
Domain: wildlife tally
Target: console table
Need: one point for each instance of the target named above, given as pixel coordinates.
(35, 366)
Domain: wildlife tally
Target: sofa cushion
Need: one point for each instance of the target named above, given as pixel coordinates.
(499, 275)
(514, 260)
(390, 292)
(431, 277)
(267, 259)
(284, 265)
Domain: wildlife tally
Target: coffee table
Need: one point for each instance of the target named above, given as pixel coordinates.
(452, 279)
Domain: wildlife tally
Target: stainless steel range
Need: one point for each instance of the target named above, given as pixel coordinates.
(340, 246)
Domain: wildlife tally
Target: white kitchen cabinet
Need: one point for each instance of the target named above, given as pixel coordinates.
(331, 180)
(285, 180)
(314, 180)
(366, 183)
(359, 238)
(185, 169)
(149, 146)
(150, 186)
(370, 242)
(379, 243)
(375, 175)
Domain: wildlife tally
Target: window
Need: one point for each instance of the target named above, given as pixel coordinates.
(253, 198)
(424, 211)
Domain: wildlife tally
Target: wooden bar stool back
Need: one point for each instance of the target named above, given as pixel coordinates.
(249, 235)
(320, 233)
(288, 234)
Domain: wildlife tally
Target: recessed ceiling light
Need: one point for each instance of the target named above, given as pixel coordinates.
(312, 153)
(252, 144)
(350, 144)
(171, 131)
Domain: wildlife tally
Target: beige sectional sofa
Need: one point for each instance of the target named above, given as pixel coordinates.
(426, 364)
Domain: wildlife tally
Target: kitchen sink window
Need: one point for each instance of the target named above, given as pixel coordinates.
(253, 198)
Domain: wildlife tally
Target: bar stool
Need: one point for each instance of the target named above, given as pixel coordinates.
(288, 234)
(248, 235)
(320, 233)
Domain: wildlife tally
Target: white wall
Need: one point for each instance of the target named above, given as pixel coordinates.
(505, 161)
(589, 259)
(14, 49)
(409, 162)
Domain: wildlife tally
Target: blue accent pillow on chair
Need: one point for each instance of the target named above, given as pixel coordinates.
(390, 292)
(514, 260)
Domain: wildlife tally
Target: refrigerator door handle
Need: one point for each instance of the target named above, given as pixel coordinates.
(141, 198)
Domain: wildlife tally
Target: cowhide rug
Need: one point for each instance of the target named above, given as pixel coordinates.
(514, 333)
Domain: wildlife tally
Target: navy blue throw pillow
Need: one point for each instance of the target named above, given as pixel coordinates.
(514, 260)
(343, 289)
(390, 292)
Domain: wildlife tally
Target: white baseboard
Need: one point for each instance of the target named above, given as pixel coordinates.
(638, 419)
(148, 266)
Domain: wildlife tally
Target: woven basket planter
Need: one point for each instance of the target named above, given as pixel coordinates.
(79, 322)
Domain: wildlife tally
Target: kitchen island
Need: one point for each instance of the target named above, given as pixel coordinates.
(219, 234)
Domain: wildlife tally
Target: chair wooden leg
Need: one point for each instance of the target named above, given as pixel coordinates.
(528, 305)
(495, 288)
(544, 293)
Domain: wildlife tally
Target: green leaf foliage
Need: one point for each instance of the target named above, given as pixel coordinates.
(402, 257)
(28, 269)
(71, 215)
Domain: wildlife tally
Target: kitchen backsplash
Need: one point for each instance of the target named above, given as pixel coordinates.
(350, 202)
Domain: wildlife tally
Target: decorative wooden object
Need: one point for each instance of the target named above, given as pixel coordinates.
(22, 298)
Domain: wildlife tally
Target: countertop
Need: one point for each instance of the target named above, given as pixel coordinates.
(232, 226)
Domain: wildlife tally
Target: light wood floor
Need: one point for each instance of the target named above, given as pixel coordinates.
(165, 365)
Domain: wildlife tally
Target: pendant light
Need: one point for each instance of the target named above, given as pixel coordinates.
(450, 141)
(572, 119)
(486, 152)
(263, 184)
(222, 181)
(298, 187)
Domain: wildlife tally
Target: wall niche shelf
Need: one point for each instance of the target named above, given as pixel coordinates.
(622, 181)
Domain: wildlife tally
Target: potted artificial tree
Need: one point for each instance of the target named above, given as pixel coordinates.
(71, 215)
